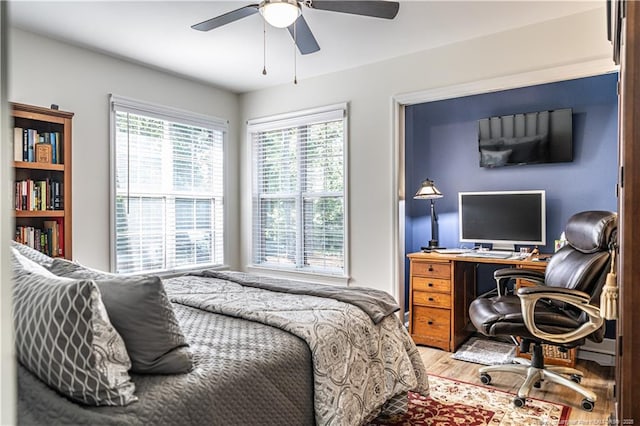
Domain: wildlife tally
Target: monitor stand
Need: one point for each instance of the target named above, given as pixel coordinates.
(504, 247)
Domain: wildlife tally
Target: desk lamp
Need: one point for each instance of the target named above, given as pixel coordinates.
(428, 191)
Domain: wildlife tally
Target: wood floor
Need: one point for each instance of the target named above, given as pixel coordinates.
(596, 378)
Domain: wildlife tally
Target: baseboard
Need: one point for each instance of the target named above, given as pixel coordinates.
(603, 353)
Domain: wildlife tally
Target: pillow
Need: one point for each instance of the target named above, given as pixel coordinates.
(141, 312)
(32, 254)
(493, 144)
(64, 268)
(29, 265)
(64, 337)
(494, 158)
(525, 149)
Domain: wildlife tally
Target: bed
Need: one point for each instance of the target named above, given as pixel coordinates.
(260, 351)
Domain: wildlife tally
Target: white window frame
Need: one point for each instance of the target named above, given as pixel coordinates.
(125, 104)
(299, 118)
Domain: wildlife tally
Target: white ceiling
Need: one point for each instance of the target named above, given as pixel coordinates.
(158, 34)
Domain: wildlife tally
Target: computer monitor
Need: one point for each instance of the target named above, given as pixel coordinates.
(503, 218)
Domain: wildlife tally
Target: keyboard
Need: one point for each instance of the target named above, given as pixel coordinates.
(453, 251)
(491, 254)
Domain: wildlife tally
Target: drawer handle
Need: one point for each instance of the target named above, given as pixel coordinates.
(430, 322)
(431, 299)
(430, 284)
(430, 268)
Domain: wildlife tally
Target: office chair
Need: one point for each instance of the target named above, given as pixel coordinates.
(561, 310)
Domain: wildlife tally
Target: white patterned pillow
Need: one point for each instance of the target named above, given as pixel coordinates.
(63, 335)
(29, 265)
(32, 254)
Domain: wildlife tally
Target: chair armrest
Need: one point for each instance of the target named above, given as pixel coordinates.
(503, 275)
(554, 291)
(530, 295)
(528, 274)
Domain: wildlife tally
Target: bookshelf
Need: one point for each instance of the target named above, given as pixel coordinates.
(42, 184)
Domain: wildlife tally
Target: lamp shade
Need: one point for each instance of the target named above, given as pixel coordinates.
(280, 13)
(427, 190)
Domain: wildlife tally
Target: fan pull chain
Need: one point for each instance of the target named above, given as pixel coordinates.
(264, 47)
(295, 43)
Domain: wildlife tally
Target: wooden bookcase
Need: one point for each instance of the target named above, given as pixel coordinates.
(50, 181)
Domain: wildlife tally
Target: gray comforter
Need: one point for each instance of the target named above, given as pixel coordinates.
(299, 360)
(245, 373)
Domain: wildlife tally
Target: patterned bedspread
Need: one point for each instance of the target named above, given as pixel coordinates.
(357, 365)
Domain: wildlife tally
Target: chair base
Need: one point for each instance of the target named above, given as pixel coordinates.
(533, 376)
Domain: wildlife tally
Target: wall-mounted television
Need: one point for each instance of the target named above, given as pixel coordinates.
(502, 218)
(529, 138)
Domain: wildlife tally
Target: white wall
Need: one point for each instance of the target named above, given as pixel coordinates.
(44, 72)
(369, 91)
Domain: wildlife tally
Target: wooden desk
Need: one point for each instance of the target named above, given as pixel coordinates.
(441, 288)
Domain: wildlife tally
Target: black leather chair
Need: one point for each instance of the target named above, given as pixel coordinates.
(563, 310)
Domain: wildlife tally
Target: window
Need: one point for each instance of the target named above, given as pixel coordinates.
(299, 203)
(167, 188)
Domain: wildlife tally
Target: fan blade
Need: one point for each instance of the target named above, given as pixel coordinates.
(227, 18)
(304, 38)
(377, 9)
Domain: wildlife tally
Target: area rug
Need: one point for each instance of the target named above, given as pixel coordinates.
(484, 351)
(456, 403)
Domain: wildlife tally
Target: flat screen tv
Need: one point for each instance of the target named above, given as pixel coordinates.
(502, 218)
(529, 138)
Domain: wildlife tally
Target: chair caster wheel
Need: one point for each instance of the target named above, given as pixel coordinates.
(485, 378)
(537, 385)
(518, 402)
(587, 404)
(576, 378)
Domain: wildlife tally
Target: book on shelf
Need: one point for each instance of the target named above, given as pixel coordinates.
(32, 136)
(43, 152)
(51, 228)
(49, 239)
(33, 195)
(25, 145)
(57, 203)
(25, 142)
(17, 144)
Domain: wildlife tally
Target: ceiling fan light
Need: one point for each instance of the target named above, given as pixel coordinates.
(280, 13)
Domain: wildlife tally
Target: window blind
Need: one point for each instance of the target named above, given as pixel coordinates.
(168, 190)
(299, 212)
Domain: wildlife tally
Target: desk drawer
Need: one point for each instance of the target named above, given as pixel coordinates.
(438, 300)
(431, 322)
(431, 284)
(526, 283)
(432, 269)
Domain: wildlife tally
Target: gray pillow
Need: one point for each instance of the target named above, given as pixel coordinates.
(140, 310)
(32, 254)
(525, 149)
(64, 337)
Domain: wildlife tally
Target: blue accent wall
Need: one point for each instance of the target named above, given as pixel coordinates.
(442, 144)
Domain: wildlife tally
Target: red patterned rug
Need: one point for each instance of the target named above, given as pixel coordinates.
(455, 403)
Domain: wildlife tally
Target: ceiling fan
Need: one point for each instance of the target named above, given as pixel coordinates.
(288, 13)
